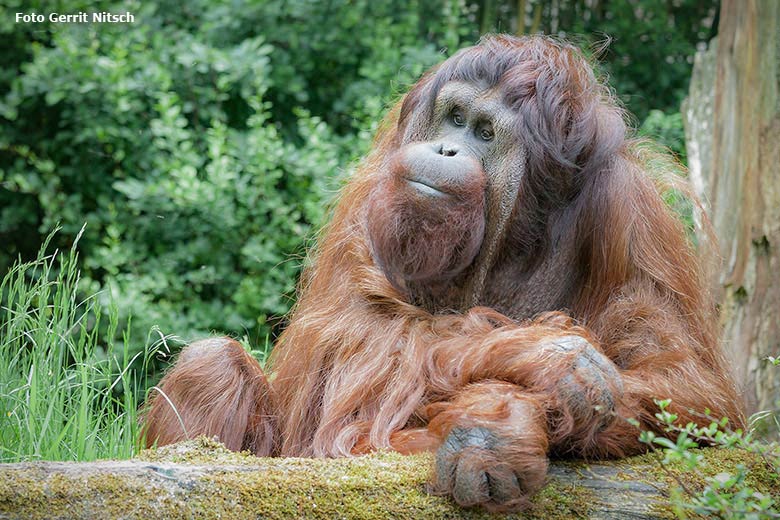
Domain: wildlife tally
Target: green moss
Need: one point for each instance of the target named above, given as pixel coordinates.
(198, 451)
(714, 461)
(560, 501)
(202, 479)
(376, 486)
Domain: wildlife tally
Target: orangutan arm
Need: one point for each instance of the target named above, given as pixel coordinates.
(591, 388)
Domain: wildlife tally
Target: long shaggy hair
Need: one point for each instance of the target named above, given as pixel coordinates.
(591, 252)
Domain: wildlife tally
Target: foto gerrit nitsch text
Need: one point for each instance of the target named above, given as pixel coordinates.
(80, 17)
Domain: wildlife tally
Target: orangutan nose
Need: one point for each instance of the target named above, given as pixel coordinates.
(447, 150)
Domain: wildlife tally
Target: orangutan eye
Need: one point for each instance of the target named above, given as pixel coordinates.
(486, 133)
(457, 117)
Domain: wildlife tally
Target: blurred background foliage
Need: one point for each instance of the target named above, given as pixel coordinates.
(202, 143)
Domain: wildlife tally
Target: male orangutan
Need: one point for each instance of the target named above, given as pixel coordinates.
(501, 280)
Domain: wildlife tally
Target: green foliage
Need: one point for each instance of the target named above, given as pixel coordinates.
(66, 392)
(161, 141)
(727, 494)
(203, 142)
(338, 59)
(667, 130)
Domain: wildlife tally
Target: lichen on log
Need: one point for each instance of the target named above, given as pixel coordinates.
(202, 479)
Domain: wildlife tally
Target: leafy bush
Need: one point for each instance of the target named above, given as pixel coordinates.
(162, 144)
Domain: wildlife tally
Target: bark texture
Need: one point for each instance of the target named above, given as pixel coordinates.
(732, 118)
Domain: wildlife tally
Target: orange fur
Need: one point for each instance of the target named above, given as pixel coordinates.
(216, 389)
(361, 366)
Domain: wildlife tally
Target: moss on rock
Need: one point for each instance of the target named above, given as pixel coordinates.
(202, 479)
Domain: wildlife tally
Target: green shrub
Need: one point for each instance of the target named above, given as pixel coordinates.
(197, 209)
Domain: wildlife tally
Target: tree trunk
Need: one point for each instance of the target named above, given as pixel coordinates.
(732, 118)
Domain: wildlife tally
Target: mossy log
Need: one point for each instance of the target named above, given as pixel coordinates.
(201, 479)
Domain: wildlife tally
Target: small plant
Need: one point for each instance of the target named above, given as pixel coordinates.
(66, 391)
(726, 494)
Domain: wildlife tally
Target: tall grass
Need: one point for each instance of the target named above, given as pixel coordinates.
(67, 391)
